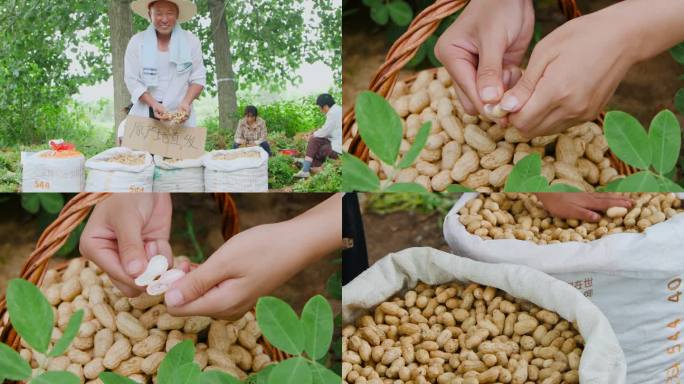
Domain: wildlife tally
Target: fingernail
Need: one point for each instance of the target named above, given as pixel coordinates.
(135, 267)
(488, 108)
(595, 216)
(509, 102)
(174, 297)
(152, 249)
(489, 93)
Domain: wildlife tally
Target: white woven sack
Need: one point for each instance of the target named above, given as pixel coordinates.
(239, 175)
(602, 362)
(104, 176)
(634, 278)
(180, 176)
(51, 174)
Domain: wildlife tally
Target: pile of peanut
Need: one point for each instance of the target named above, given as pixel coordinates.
(476, 152)
(459, 334)
(238, 155)
(177, 117)
(127, 159)
(132, 336)
(522, 216)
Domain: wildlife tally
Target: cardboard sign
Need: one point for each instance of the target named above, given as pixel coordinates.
(145, 134)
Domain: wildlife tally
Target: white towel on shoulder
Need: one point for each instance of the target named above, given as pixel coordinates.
(179, 50)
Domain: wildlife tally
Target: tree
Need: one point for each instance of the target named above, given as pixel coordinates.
(121, 31)
(227, 85)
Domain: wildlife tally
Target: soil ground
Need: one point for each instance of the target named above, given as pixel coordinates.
(19, 232)
(648, 88)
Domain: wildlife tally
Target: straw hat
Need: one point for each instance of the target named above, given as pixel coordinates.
(187, 9)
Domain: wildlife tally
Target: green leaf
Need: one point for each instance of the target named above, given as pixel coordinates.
(52, 202)
(406, 187)
(217, 377)
(667, 185)
(69, 334)
(30, 313)
(677, 53)
(430, 47)
(563, 188)
(178, 356)
(457, 188)
(679, 100)
(356, 176)
(317, 321)
(379, 126)
(280, 325)
(114, 378)
(665, 138)
(372, 3)
(627, 139)
(400, 12)
(334, 285)
(12, 366)
(527, 168)
(56, 378)
(264, 374)
(30, 202)
(419, 57)
(380, 14)
(188, 373)
(418, 145)
(643, 181)
(322, 375)
(291, 371)
(535, 184)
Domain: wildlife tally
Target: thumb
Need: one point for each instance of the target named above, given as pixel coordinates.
(131, 247)
(490, 73)
(514, 99)
(195, 284)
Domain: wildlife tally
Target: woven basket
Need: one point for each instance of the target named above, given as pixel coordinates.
(403, 50)
(57, 233)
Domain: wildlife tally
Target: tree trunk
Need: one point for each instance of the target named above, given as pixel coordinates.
(121, 27)
(225, 76)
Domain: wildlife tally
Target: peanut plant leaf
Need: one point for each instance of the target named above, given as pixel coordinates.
(667, 185)
(400, 12)
(665, 138)
(217, 377)
(380, 14)
(627, 139)
(535, 184)
(178, 356)
(679, 101)
(31, 202)
(317, 320)
(69, 333)
(417, 146)
(263, 375)
(188, 373)
(56, 377)
(379, 126)
(643, 181)
(114, 378)
(611, 187)
(291, 371)
(356, 176)
(280, 325)
(30, 313)
(563, 188)
(322, 375)
(457, 188)
(406, 187)
(334, 285)
(677, 53)
(52, 202)
(527, 168)
(12, 366)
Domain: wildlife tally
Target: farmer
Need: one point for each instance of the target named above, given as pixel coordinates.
(326, 142)
(251, 131)
(125, 231)
(572, 72)
(164, 70)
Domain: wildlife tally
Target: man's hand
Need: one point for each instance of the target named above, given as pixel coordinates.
(581, 206)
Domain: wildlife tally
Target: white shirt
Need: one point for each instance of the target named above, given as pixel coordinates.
(332, 129)
(170, 94)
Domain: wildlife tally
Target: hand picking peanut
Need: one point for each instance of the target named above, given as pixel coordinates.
(157, 278)
(478, 153)
(460, 334)
(522, 216)
(131, 336)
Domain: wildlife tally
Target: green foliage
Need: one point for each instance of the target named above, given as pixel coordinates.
(679, 101)
(281, 171)
(329, 179)
(12, 366)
